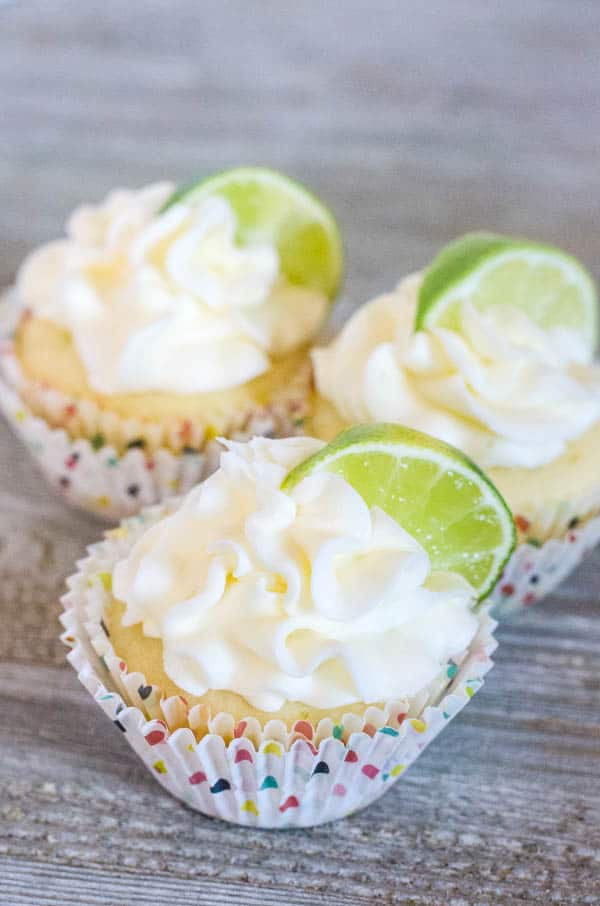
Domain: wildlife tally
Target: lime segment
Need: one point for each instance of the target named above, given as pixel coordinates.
(486, 269)
(270, 207)
(431, 489)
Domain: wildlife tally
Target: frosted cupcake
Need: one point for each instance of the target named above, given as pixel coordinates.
(491, 350)
(163, 319)
(288, 637)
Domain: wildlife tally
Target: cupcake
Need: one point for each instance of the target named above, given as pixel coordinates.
(165, 318)
(492, 350)
(280, 644)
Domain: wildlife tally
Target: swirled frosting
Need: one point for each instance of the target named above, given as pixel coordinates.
(503, 390)
(167, 301)
(308, 596)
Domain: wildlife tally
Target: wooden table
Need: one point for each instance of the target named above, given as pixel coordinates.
(416, 121)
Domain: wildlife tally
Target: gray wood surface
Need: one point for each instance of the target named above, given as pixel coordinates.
(416, 121)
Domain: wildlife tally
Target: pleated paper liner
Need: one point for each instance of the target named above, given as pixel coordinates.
(535, 570)
(112, 466)
(267, 775)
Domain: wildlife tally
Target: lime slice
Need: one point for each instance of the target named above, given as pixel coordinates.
(270, 207)
(553, 288)
(431, 489)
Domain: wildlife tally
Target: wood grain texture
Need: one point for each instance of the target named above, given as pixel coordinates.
(416, 122)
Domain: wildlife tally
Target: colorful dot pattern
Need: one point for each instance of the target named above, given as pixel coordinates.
(356, 765)
(536, 568)
(275, 782)
(92, 475)
(335, 775)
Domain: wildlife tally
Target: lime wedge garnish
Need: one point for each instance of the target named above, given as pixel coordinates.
(431, 489)
(486, 269)
(270, 207)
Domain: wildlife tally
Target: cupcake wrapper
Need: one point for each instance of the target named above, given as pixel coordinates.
(102, 481)
(142, 464)
(534, 571)
(264, 776)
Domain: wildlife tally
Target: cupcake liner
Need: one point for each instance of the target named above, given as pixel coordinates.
(111, 466)
(534, 570)
(103, 481)
(554, 518)
(267, 775)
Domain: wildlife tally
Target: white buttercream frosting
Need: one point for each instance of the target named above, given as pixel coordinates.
(503, 390)
(304, 596)
(167, 301)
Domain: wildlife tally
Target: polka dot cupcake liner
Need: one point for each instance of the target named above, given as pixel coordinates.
(535, 570)
(102, 480)
(110, 466)
(270, 775)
